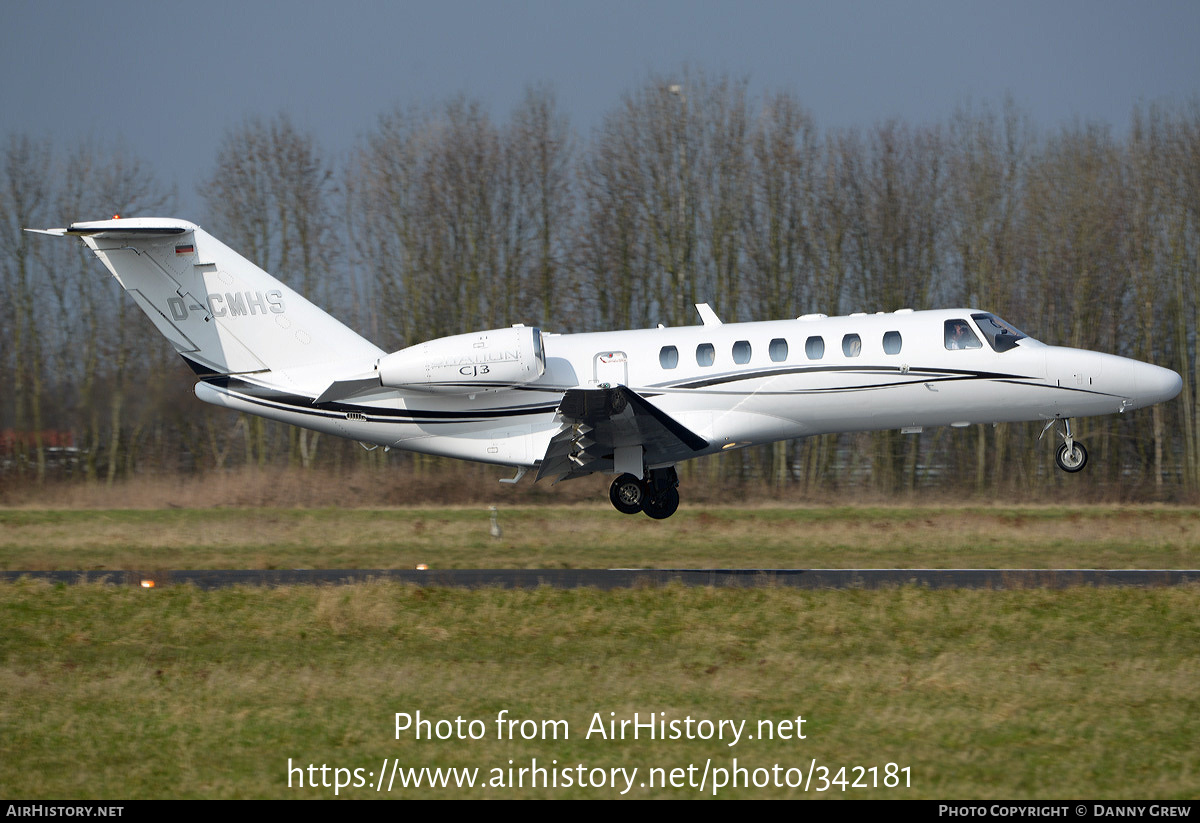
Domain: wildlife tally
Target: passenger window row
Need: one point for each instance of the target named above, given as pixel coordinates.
(814, 349)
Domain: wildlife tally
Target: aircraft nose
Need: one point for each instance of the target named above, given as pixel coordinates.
(1156, 384)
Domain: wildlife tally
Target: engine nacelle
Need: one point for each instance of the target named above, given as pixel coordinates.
(481, 361)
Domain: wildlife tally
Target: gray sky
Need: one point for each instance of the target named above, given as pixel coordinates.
(170, 78)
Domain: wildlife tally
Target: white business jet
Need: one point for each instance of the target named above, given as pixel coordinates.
(629, 403)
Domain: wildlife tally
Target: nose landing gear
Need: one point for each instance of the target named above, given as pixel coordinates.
(1071, 455)
(657, 495)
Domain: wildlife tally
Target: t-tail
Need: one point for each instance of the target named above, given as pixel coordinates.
(222, 313)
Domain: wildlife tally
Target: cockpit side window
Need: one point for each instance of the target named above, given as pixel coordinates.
(1000, 336)
(960, 336)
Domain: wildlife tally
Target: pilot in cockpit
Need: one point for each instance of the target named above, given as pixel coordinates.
(955, 335)
(959, 336)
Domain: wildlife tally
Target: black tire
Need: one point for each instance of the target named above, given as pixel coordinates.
(663, 506)
(1071, 460)
(628, 494)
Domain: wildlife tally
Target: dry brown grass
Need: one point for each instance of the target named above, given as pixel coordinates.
(282, 488)
(591, 535)
(454, 483)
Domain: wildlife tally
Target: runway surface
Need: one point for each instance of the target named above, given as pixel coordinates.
(630, 578)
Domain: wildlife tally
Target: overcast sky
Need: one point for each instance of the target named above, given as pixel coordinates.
(170, 78)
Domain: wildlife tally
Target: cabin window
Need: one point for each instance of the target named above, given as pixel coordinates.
(741, 352)
(814, 347)
(960, 336)
(778, 350)
(851, 345)
(892, 342)
(668, 357)
(705, 354)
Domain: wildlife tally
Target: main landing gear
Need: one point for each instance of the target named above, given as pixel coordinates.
(1071, 456)
(656, 495)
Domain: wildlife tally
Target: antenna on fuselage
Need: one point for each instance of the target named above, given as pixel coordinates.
(707, 315)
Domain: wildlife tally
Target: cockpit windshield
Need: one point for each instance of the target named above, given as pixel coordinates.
(1000, 335)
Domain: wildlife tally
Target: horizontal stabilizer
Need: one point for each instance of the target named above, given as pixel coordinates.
(222, 313)
(128, 229)
(345, 389)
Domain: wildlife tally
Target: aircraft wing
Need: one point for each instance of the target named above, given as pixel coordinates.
(596, 423)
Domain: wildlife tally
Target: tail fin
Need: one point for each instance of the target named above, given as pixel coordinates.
(222, 313)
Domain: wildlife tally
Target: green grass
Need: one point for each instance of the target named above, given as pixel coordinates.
(594, 536)
(116, 692)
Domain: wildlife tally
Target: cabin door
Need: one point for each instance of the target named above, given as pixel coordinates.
(610, 368)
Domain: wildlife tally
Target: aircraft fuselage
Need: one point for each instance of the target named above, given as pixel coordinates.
(741, 384)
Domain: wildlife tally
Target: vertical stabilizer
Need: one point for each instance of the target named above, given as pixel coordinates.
(222, 313)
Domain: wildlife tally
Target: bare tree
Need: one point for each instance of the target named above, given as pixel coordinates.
(541, 150)
(665, 188)
(25, 194)
(94, 362)
(895, 183)
(783, 211)
(611, 250)
(1151, 169)
(270, 194)
(988, 156)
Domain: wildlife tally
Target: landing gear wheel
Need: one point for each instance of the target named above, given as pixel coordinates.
(663, 506)
(628, 494)
(1071, 458)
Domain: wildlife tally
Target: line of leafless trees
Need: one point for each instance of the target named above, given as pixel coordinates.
(692, 189)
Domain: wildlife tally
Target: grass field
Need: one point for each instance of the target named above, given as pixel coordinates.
(594, 536)
(117, 692)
